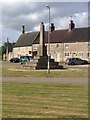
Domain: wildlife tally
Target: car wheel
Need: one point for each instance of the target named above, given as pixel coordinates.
(85, 62)
(72, 63)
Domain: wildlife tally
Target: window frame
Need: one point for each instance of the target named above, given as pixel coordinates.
(66, 55)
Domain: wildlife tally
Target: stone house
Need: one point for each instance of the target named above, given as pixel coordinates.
(23, 45)
(65, 43)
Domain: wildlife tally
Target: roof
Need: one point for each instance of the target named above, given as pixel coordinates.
(57, 36)
(26, 39)
(66, 36)
(78, 35)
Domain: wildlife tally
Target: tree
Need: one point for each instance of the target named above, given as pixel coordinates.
(4, 48)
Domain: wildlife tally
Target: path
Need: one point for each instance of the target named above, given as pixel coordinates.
(45, 80)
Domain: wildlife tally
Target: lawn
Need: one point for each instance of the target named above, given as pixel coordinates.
(44, 100)
(10, 70)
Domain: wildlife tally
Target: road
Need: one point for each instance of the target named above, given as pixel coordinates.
(45, 80)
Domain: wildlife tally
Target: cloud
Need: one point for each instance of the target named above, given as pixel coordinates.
(32, 14)
(6, 1)
(15, 14)
(36, 28)
(80, 20)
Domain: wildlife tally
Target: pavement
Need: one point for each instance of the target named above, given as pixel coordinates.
(45, 80)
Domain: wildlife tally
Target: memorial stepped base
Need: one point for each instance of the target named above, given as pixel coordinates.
(41, 62)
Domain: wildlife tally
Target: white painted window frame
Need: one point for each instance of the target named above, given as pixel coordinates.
(67, 53)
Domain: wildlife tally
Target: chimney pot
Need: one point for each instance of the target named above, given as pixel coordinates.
(52, 27)
(23, 29)
(71, 25)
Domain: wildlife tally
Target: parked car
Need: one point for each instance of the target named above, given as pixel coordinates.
(24, 59)
(75, 61)
(14, 60)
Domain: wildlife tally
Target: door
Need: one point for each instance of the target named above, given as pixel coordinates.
(58, 57)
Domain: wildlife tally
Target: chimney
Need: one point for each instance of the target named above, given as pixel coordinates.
(52, 27)
(23, 29)
(71, 25)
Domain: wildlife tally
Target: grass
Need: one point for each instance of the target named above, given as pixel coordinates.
(0, 57)
(10, 70)
(44, 100)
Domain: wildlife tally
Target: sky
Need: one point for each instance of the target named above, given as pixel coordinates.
(15, 13)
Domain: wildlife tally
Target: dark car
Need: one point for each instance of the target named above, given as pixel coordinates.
(75, 61)
(15, 60)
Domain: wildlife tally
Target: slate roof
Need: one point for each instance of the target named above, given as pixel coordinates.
(66, 36)
(26, 39)
(57, 36)
(78, 35)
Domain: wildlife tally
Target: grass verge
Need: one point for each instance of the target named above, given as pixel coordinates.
(10, 70)
(44, 100)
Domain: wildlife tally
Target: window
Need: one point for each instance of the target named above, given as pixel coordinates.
(80, 54)
(66, 45)
(88, 54)
(58, 45)
(88, 44)
(67, 54)
(30, 52)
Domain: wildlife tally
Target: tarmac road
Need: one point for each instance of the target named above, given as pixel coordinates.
(45, 80)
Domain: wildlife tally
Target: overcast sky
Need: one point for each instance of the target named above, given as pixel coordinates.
(15, 14)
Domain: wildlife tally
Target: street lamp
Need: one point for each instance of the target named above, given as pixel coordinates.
(48, 41)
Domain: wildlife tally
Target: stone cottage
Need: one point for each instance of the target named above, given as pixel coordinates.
(64, 43)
